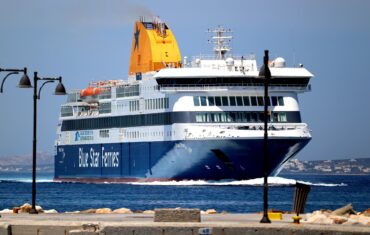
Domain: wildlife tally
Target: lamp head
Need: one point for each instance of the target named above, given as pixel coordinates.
(265, 70)
(25, 82)
(60, 89)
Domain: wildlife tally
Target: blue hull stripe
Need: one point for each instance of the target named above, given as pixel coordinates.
(188, 159)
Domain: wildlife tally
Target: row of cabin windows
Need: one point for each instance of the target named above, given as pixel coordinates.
(126, 91)
(66, 111)
(121, 91)
(73, 97)
(104, 133)
(160, 103)
(104, 94)
(105, 107)
(238, 117)
(150, 104)
(134, 105)
(138, 134)
(177, 117)
(237, 101)
(119, 121)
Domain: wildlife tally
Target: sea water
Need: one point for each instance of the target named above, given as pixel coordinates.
(327, 192)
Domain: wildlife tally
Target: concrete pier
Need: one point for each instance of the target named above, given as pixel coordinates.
(136, 224)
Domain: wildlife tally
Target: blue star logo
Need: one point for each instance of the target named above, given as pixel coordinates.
(136, 35)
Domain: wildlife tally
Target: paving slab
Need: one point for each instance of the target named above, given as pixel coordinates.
(137, 224)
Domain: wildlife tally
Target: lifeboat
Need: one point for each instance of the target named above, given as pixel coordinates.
(90, 91)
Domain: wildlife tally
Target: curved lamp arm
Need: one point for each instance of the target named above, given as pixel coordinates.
(38, 96)
(2, 83)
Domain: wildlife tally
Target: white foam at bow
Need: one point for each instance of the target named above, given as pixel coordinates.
(273, 181)
(26, 180)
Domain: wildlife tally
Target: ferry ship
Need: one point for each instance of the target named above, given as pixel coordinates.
(177, 118)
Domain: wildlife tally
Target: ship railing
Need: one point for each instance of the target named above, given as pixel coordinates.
(257, 126)
(273, 126)
(234, 86)
(213, 57)
(88, 113)
(260, 126)
(222, 131)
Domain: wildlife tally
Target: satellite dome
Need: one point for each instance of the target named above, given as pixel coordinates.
(229, 62)
(279, 62)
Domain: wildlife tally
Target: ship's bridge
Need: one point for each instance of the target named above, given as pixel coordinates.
(244, 73)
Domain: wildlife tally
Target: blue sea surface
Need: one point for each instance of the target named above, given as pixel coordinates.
(327, 192)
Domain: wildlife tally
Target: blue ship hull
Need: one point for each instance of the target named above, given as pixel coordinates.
(172, 160)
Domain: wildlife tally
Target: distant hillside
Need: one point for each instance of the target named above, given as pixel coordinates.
(344, 166)
(45, 163)
(23, 163)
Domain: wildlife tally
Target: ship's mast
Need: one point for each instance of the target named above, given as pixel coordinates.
(221, 41)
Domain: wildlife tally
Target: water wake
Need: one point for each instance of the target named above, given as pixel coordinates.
(272, 181)
(25, 180)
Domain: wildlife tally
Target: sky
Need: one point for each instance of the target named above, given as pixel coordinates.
(90, 40)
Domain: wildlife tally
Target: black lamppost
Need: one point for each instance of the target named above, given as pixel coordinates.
(266, 74)
(10, 72)
(59, 90)
(14, 71)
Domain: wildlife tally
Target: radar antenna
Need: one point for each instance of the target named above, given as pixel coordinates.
(221, 41)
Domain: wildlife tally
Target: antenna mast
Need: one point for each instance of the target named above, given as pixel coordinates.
(221, 41)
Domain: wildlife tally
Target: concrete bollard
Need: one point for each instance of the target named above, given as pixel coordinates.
(5, 229)
(176, 215)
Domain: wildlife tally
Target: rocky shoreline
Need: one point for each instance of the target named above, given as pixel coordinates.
(342, 216)
(26, 208)
(345, 215)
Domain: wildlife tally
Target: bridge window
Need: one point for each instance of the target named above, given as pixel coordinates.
(235, 101)
(246, 101)
(203, 101)
(281, 101)
(232, 101)
(254, 100)
(66, 111)
(274, 101)
(196, 101)
(268, 101)
(218, 101)
(211, 101)
(277, 100)
(260, 101)
(225, 101)
(239, 101)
